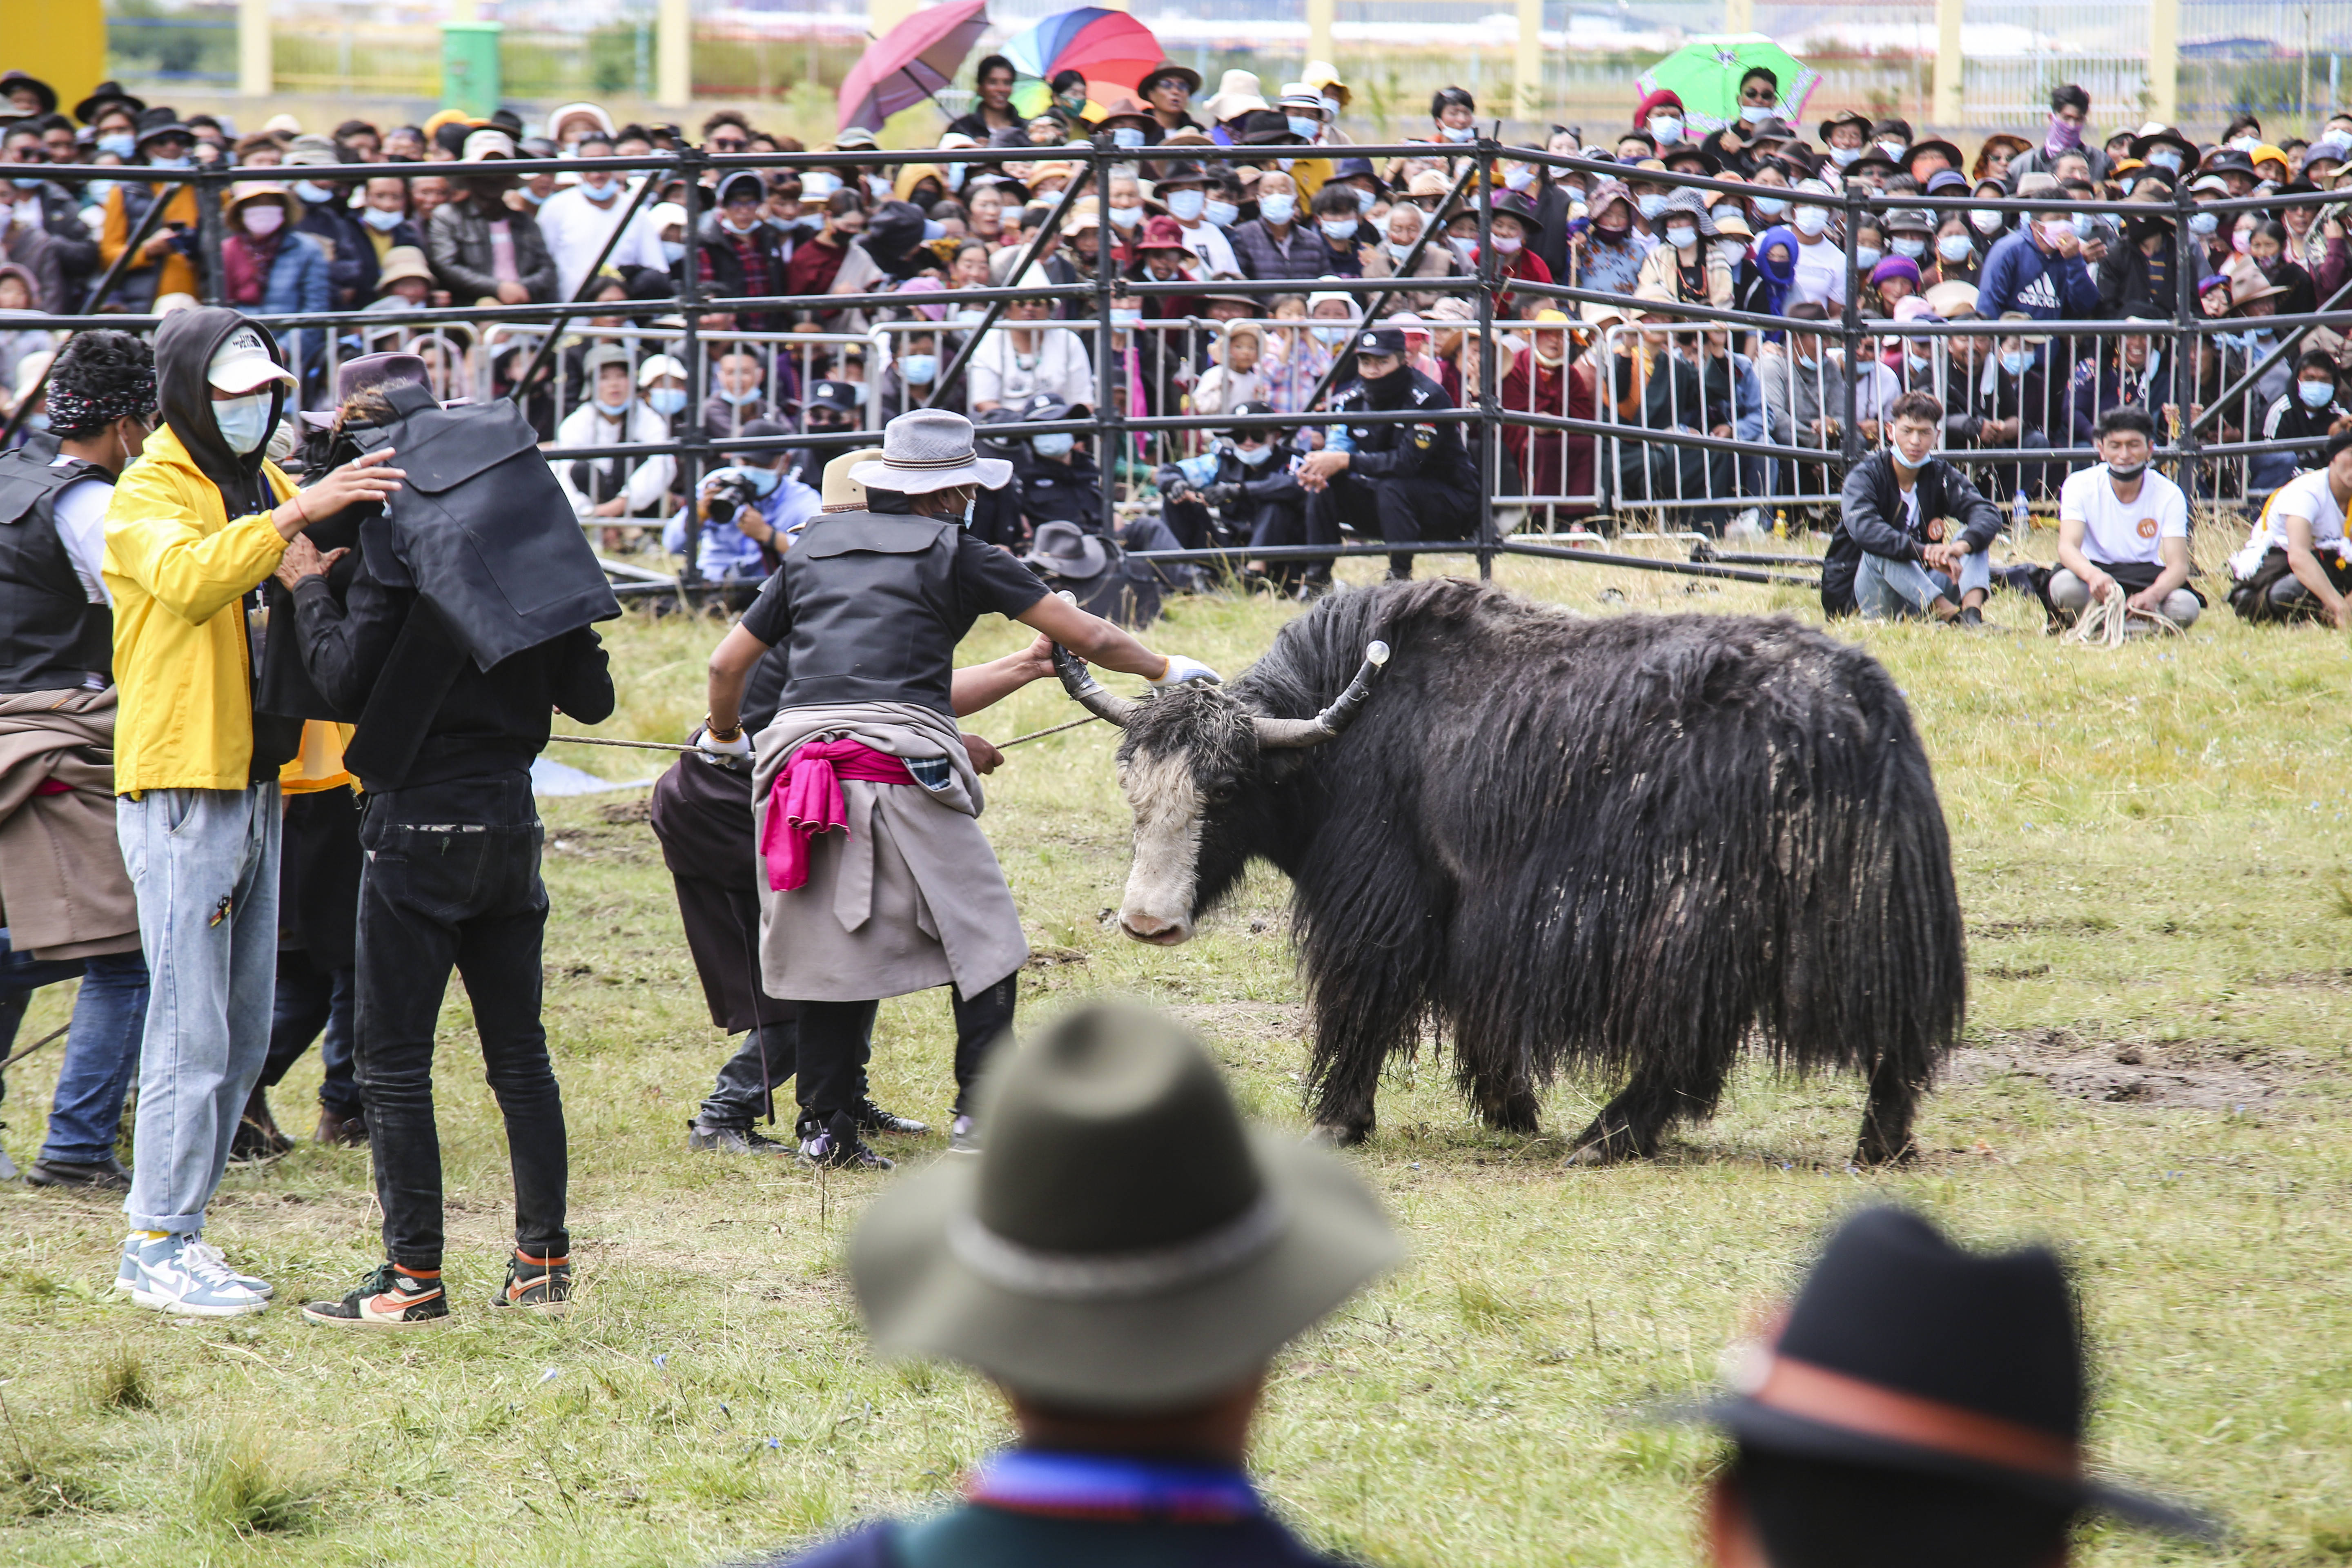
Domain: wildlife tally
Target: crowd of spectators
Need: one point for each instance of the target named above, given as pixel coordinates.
(1231, 191)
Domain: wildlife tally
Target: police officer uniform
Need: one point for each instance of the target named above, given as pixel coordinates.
(1404, 482)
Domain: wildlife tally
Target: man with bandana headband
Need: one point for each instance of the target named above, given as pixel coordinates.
(193, 528)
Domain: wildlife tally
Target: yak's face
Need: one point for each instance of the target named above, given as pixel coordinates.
(1187, 758)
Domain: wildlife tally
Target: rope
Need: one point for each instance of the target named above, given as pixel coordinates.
(2108, 621)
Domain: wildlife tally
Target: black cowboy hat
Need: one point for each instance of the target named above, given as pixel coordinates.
(1707, 160)
(1267, 128)
(105, 93)
(2229, 161)
(1844, 117)
(11, 80)
(1125, 1244)
(1518, 205)
(1185, 74)
(2165, 135)
(159, 122)
(1773, 129)
(1934, 145)
(1874, 157)
(1906, 1352)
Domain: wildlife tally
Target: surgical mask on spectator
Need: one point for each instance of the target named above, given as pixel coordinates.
(1955, 247)
(764, 481)
(262, 221)
(1463, 246)
(1278, 208)
(1666, 128)
(816, 184)
(956, 174)
(1133, 135)
(1185, 205)
(2203, 223)
(168, 164)
(1679, 235)
(666, 400)
(612, 410)
(1507, 243)
(122, 143)
(1458, 132)
(1985, 222)
(1902, 462)
(1330, 108)
(2126, 472)
(29, 184)
(740, 398)
(2165, 158)
(1057, 445)
(378, 219)
(2084, 226)
(1221, 213)
(2242, 240)
(1768, 207)
(1519, 177)
(1254, 457)
(1755, 113)
(1809, 362)
(919, 370)
(2316, 394)
(1305, 130)
(1844, 157)
(244, 422)
(1867, 256)
(2245, 144)
(1125, 217)
(314, 193)
(2014, 361)
(1365, 200)
(1330, 333)
(1731, 252)
(1338, 231)
(1892, 149)
(534, 197)
(1812, 221)
(1397, 252)
(1649, 205)
(673, 251)
(879, 187)
(1917, 356)
(1909, 245)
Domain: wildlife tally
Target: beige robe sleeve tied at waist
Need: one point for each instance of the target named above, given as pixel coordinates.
(911, 897)
(64, 892)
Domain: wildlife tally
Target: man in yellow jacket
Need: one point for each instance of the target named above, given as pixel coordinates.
(193, 527)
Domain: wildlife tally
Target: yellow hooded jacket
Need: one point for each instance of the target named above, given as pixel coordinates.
(179, 567)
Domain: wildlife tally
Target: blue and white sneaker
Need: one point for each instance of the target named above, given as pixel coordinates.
(179, 1274)
(253, 1282)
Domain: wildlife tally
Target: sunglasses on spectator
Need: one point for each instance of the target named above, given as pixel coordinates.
(729, 143)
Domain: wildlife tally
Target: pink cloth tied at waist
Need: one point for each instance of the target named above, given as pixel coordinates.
(805, 801)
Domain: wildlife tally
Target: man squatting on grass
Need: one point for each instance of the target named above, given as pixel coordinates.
(193, 529)
(2298, 565)
(870, 605)
(1911, 528)
(2124, 529)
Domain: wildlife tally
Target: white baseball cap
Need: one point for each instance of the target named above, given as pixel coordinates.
(244, 364)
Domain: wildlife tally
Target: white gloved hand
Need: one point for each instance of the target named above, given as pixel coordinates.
(737, 749)
(1181, 669)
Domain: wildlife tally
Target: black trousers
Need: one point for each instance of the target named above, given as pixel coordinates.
(837, 1039)
(452, 881)
(1402, 510)
(310, 999)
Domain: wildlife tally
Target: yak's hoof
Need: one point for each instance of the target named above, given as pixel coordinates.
(1599, 1145)
(1517, 1115)
(1873, 1150)
(1340, 1134)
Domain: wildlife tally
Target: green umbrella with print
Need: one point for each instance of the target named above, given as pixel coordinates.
(1704, 74)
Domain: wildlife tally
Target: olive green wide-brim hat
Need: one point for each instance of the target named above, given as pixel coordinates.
(1125, 1244)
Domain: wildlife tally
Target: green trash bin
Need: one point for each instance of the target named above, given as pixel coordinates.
(469, 67)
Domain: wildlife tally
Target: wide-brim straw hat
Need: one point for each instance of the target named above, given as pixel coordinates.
(930, 449)
(1125, 1245)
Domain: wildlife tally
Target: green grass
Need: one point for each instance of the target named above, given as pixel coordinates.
(2151, 850)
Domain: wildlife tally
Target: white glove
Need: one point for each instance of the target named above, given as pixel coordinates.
(1181, 669)
(737, 749)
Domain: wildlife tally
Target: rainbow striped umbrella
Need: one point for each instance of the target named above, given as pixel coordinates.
(1109, 49)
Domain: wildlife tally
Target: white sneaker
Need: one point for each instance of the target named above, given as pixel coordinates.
(253, 1282)
(179, 1274)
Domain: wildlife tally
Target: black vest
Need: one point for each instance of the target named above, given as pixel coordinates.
(51, 636)
(874, 611)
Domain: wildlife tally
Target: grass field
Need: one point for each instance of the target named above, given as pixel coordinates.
(2150, 849)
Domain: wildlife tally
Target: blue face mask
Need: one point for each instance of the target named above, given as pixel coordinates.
(27, 184)
(1305, 130)
(1867, 256)
(1366, 200)
(2316, 394)
(2203, 223)
(764, 481)
(740, 398)
(1331, 334)
(122, 143)
(1132, 136)
(1649, 205)
(314, 193)
(666, 400)
(382, 222)
(242, 422)
(1221, 213)
(1338, 229)
(1954, 246)
(1256, 457)
(1054, 445)
(613, 410)
(1913, 247)
(1185, 205)
(1842, 156)
(169, 163)
(1458, 132)
(1277, 209)
(1768, 206)
(919, 370)
(1755, 113)
(673, 251)
(2083, 223)
(2014, 361)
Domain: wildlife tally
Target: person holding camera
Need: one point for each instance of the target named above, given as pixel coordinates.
(746, 513)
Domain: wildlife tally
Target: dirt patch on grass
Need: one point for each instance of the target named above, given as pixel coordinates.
(2187, 1074)
(1244, 1020)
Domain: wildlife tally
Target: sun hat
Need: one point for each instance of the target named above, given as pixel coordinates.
(403, 261)
(1903, 1351)
(244, 364)
(489, 142)
(1066, 550)
(1238, 93)
(658, 367)
(841, 492)
(601, 356)
(1324, 77)
(929, 449)
(245, 192)
(1125, 1244)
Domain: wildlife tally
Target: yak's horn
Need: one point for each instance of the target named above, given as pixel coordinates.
(1290, 734)
(1080, 682)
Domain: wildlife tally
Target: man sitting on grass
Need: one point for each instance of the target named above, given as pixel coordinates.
(2124, 529)
(1912, 530)
(2305, 565)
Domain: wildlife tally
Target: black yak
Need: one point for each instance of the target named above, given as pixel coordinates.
(1622, 844)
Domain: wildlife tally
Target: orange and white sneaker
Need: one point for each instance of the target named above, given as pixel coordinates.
(542, 1285)
(389, 1297)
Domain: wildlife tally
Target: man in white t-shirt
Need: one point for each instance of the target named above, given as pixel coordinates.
(2307, 539)
(577, 222)
(2124, 529)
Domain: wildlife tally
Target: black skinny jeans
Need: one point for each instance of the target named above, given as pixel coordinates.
(452, 879)
(837, 1039)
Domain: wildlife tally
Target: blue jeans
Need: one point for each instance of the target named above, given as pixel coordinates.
(1888, 590)
(204, 865)
(101, 1046)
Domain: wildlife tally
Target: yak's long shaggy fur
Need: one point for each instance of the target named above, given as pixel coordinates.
(1621, 845)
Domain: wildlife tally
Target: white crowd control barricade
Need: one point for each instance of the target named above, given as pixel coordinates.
(1554, 472)
(1699, 441)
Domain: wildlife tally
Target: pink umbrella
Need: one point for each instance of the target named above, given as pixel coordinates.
(911, 62)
